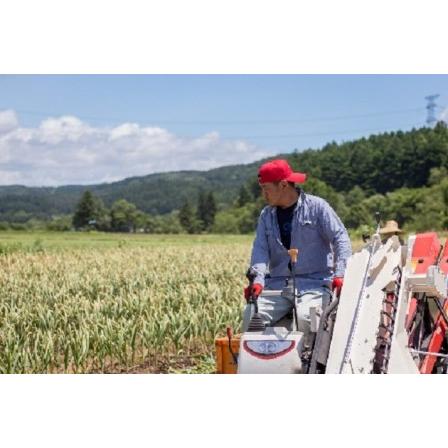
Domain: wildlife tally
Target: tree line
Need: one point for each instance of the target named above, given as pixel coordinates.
(124, 216)
(381, 163)
(403, 175)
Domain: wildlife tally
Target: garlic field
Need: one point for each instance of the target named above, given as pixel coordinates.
(126, 304)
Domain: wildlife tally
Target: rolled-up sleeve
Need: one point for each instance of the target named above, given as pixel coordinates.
(335, 232)
(260, 251)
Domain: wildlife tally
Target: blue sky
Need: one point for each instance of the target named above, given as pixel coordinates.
(88, 129)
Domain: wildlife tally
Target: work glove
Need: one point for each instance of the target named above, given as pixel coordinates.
(255, 291)
(337, 284)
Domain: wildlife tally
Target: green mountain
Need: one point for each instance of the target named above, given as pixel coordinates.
(379, 164)
(156, 193)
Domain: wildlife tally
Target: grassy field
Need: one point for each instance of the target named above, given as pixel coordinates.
(92, 302)
(99, 240)
(110, 303)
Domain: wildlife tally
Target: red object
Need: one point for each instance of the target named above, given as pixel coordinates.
(256, 291)
(337, 284)
(435, 343)
(277, 170)
(441, 326)
(425, 252)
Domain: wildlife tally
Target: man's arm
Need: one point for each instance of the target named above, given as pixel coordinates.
(334, 231)
(260, 251)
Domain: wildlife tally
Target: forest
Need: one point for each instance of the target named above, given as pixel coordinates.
(403, 175)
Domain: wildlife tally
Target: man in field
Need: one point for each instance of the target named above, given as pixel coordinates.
(294, 219)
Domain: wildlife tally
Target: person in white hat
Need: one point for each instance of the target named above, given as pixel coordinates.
(390, 229)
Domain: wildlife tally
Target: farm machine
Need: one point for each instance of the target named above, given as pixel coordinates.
(391, 316)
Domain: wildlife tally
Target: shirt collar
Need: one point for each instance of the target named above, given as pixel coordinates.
(299, 201)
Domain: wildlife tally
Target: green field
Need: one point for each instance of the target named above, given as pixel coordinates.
(92, 302)
(99, 240)
(80, 302)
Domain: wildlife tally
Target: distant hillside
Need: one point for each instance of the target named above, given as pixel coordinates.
(156, 193)
(378, 164)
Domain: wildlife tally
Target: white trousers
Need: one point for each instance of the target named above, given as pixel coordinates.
(273, 309)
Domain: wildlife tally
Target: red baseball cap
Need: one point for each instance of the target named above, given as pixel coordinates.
(277, 170)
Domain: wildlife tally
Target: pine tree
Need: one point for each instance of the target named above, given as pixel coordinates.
(90, 213)
(254, 188)
(202, 212)
(243, 196)
(211, 208)
(85, 212)
(207, 209)
(186, 217)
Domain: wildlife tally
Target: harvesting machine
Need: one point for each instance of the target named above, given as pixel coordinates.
(391, 316)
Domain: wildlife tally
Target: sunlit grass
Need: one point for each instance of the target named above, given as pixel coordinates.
(78, 310)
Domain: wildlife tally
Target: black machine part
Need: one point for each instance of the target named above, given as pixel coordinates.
(256, 322)
(229, 337)
(292, 265)
(322, 342)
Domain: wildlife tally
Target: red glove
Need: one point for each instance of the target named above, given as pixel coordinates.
(337, 284)
(256, 291)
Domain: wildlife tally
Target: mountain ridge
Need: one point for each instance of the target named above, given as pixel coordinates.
(378, 164)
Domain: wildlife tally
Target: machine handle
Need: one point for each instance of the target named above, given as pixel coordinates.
(293, 253)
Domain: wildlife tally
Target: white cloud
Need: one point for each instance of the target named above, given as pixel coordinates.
(444, 115)
(124, 130)
(66, 150)
(8, 121)
(57, 130)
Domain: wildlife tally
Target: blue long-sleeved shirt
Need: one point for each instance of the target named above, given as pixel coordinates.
(317, 232)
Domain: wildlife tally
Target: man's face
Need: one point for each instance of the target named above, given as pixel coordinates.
(273, 192)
